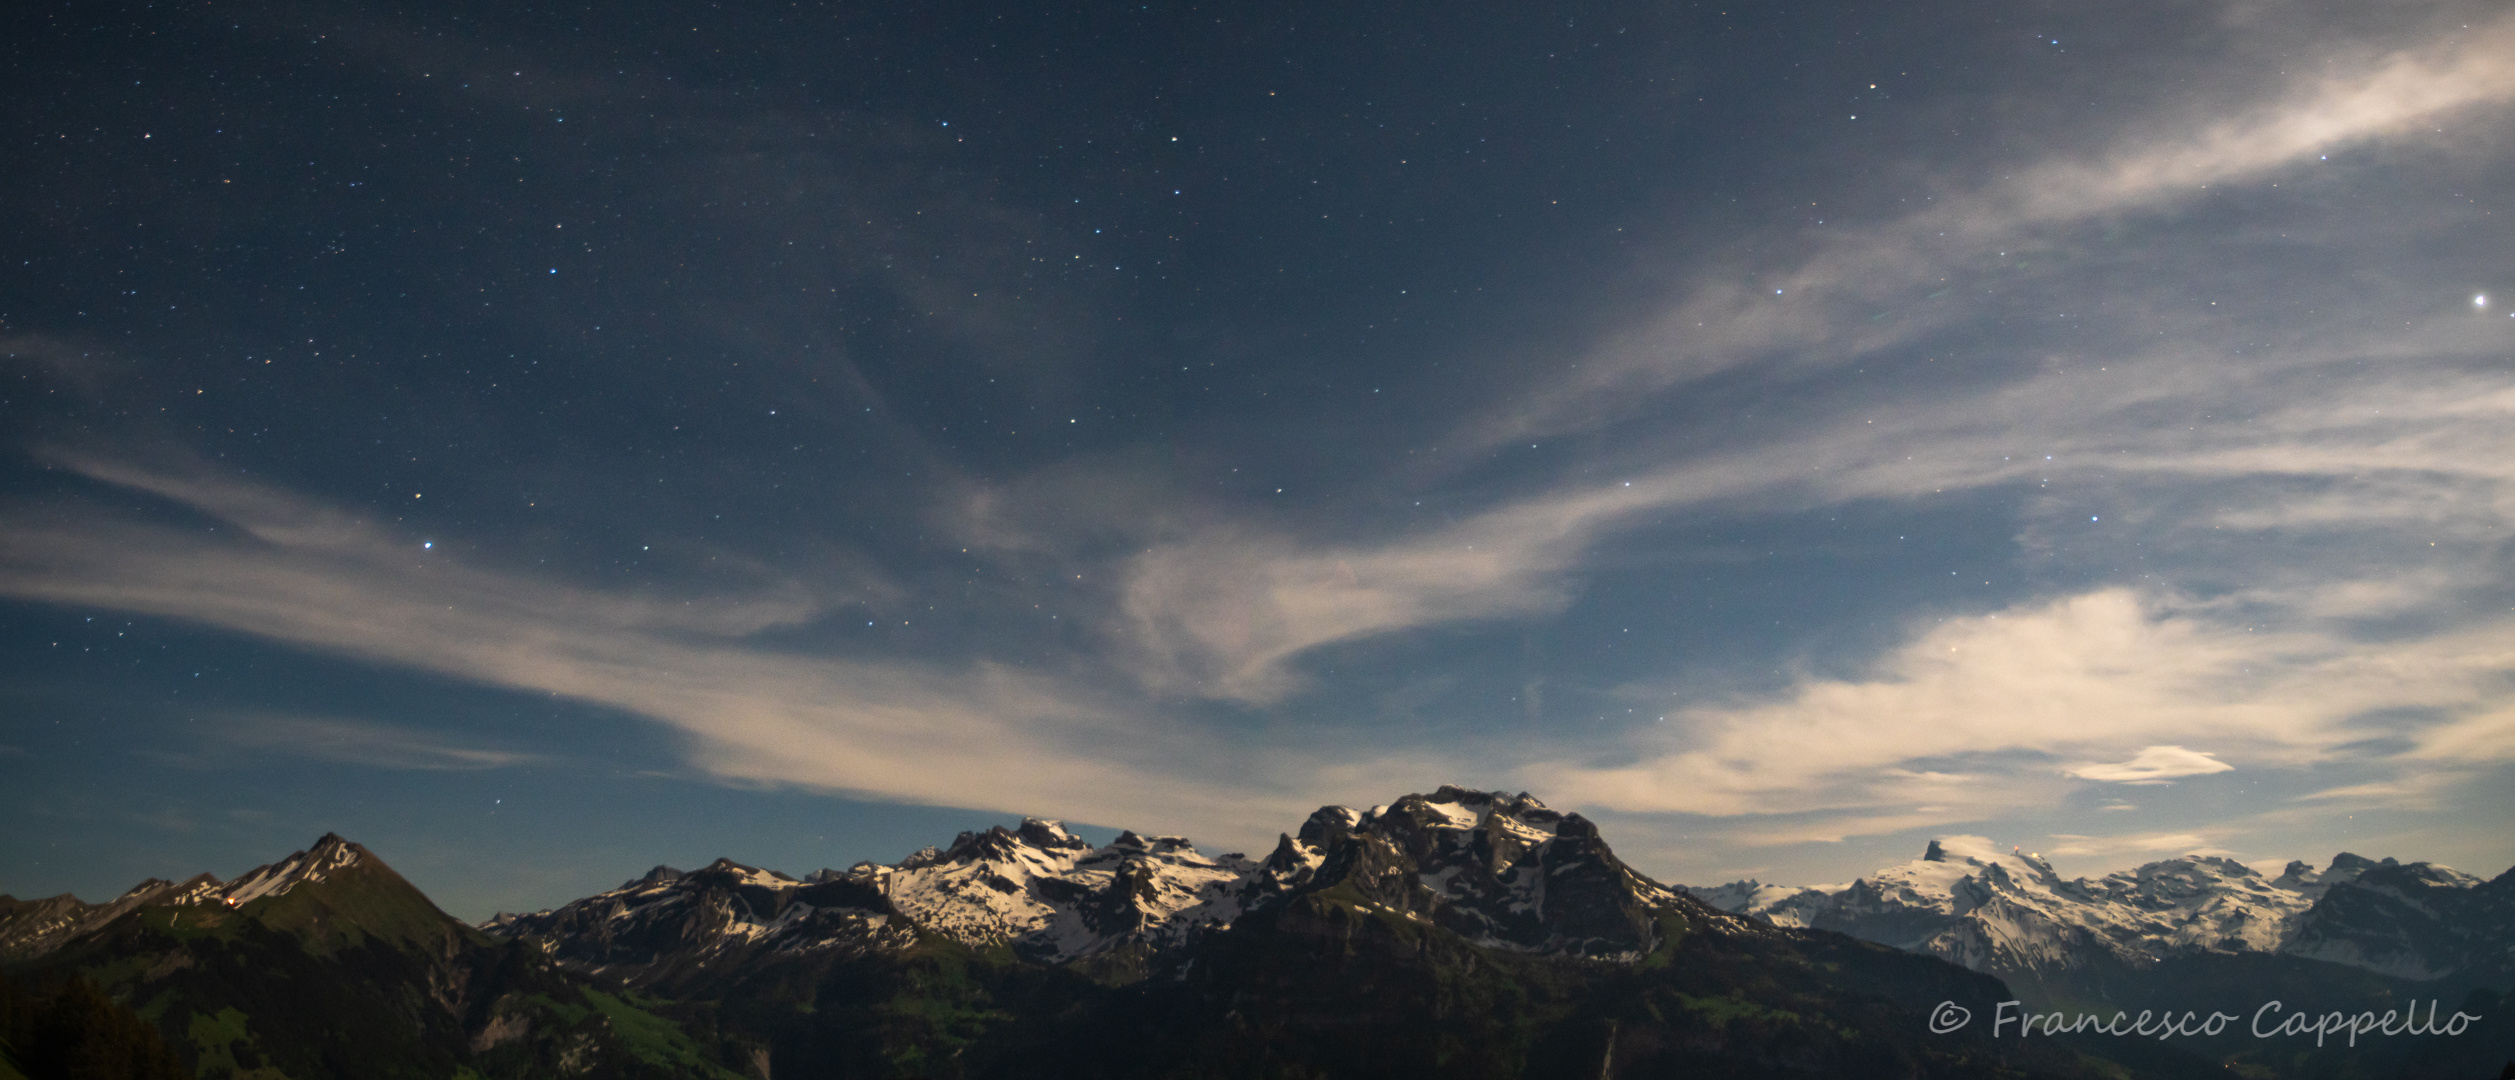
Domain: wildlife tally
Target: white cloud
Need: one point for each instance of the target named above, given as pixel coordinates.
(1971, 717)
(2154, 765)
(2143, 844)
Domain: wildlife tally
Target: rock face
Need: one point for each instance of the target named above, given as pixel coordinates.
(1502, 871)
(2413, 921)
(2009, 913)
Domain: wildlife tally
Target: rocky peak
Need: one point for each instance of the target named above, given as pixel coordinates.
(1497, 868)
(1329, 823)
(1051, 835)
(2301, 877)
(1035, 838)
(762, 892)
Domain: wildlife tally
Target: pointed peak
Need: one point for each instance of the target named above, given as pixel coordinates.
(329, 854)
(1934, 853)
(146, 887)
(999, 844)
(660, 875)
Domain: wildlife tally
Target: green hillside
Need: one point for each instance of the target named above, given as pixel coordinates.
(357, 976)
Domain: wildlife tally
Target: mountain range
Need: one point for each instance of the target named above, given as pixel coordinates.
(1456, 934)
(2010, 914)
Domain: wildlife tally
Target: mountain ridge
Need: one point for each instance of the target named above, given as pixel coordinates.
(1510, 873)
(1460, 933)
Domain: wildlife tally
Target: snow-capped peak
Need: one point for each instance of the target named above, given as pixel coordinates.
(1048, 889)
(329, 855)
(730, 873)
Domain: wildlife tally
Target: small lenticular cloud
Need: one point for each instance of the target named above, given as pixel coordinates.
(2155, 765)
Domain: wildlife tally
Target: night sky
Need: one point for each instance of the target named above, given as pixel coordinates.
(540, 442)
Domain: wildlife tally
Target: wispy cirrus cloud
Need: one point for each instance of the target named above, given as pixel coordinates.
(2158, 398)
(2429, 443)
(978, 734)
(1823, 310)
(2259, 478)
(364, 742)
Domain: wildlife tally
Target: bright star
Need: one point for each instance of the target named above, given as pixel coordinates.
(2480, 301)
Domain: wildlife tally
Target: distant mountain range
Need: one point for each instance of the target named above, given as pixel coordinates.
(1455, 934)
(2010, 914)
